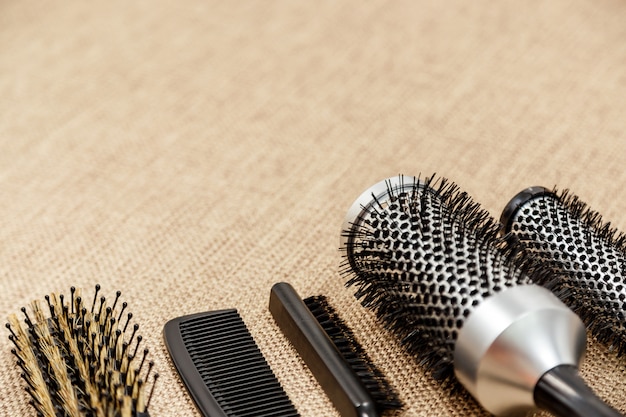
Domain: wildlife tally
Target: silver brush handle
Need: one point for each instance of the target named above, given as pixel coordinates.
(521, 349)
(510, 341)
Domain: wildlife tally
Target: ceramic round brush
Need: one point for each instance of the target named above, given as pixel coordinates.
(585, 257)
(81, 358)
(428, 260)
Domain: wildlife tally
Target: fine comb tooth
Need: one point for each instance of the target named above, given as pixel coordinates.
(222, 367)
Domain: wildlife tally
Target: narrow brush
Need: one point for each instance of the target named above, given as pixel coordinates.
(428, 260)
(328, 347)
(83, 361)
(373, 379)
(582, 259)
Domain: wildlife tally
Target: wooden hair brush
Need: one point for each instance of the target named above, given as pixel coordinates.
(81, 360)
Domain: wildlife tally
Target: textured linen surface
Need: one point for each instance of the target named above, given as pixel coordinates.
(193, 153)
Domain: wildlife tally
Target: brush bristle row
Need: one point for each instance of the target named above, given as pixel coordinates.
(353, 353)
(81, 361)
(581, 259)
(423, 258)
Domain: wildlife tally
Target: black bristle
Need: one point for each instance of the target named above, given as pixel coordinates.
(579, 257)
(423, 255)
(70, 365)
(95, 297)
(154, 380)
(341, 335)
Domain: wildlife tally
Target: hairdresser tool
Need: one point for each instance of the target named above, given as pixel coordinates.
(222, 367)
(585, 257)
(352, 382)
(79, 360)
(428, 260)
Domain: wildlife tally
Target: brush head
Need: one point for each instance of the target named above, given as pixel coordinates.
(423, 255)
(429, 262)
(81, 358)
(582, 258)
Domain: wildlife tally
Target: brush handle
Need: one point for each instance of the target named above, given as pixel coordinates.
(336, 377)
(562, 392)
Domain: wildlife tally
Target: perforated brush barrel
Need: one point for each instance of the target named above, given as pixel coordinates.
(429, 262)
(580, 258)
(424, 258)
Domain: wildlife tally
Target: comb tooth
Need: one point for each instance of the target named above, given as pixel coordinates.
(222, 367)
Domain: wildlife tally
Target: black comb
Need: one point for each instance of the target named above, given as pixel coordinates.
(222, 367)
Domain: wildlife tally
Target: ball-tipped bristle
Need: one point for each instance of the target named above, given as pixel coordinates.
(423, 257)
(81, 360)
(579, 257)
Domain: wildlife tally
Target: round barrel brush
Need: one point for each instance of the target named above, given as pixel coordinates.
(583, 258)
(429, 262)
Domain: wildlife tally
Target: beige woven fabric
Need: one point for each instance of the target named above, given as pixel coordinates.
(193, 153)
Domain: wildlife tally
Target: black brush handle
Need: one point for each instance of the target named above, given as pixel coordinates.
(322, 357)
(562, 392)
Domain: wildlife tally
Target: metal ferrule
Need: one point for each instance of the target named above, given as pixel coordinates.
(510, 340)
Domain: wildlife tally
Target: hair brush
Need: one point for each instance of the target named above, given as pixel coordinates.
(354, 384)
(585, 257)
(429, 262)
(81, 360)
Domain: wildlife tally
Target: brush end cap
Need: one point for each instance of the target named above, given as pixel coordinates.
(519, 200)
(379, 193)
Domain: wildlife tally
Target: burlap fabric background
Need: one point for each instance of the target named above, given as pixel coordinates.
(193, 153)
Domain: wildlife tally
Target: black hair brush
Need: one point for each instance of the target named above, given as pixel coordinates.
(375, 382)
(428, 260)
(354, 384)
(584, 257)
(81, 360)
